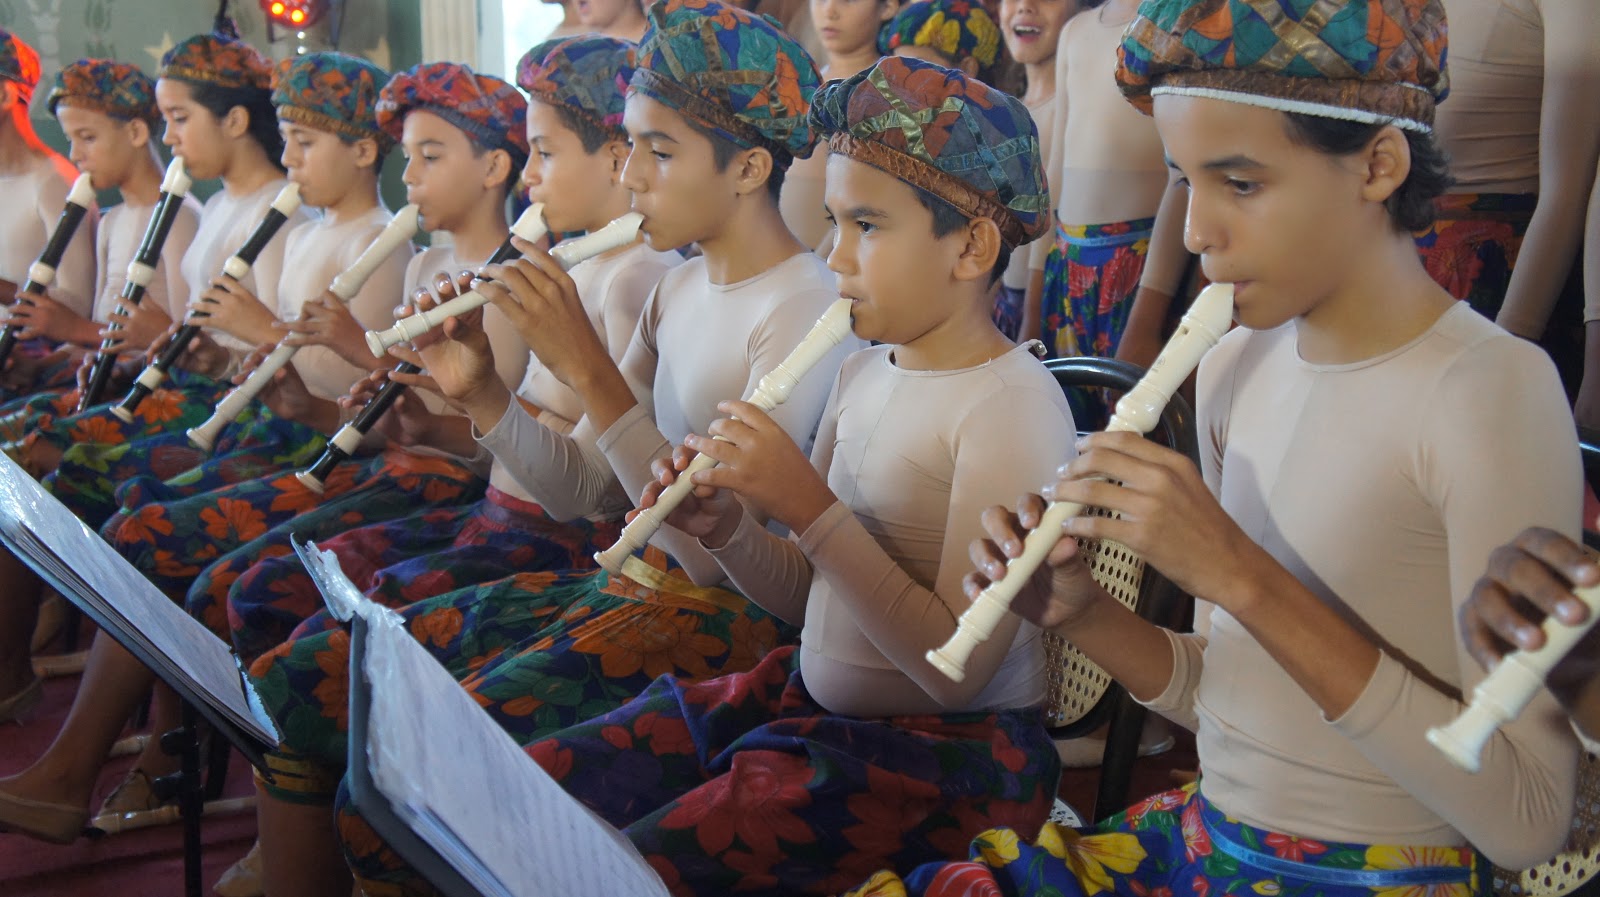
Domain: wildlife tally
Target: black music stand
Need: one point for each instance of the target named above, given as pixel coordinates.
(174, 646)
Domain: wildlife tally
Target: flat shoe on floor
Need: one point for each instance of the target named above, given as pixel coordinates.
(243, 879)
(56, 823)
(134, 794)
(23, 702)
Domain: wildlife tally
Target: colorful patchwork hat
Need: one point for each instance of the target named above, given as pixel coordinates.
(488, 109)
(1374, 61)
(953, 136)
(19, 64)
(588, 75)
(332, 92)
(535, 57)
(117, 89)
(729, 70)
(957, 29)
(217, 59)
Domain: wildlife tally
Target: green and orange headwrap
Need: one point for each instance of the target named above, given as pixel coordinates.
(731, 71)
(1374, 61)
(117, 89)
(332, 92)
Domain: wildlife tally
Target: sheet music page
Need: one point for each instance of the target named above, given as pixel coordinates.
(444, 758)
(344, 600)
(42, 529)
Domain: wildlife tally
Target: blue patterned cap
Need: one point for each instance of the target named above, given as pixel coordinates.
(729, 70)
(588, 75)
(953, 136)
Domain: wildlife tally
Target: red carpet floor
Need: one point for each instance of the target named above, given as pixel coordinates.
(143, 863)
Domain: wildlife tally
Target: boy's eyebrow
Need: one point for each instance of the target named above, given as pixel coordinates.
(865, 212)
(1226, 163)
(655, 135)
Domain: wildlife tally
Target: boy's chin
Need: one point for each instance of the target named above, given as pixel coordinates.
(661, 242)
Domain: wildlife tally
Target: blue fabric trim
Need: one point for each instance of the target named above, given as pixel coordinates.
(1327, 875)
(1123, 239)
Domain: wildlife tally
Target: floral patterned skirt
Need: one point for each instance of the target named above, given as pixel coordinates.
(39, 365)
(409, 559)
(195, 547)
(1472, 245)
(21, 416)
(101, 451)
(539, 651)
(745, 783)
(1177, 844)
(1090, 278)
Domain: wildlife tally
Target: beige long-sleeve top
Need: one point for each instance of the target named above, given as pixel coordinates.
(1017, 272)
(1490, 123)
(510, 352)
(33, 200)
(117, 240)
(319, 251)
(914, 457)
(613, 290)
(1382, 486)
(226, 221)
(698, 343)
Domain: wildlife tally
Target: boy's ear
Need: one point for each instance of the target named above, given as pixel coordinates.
(982, 251)
(237, 122)
(1388, 164)
(499, 170)
(887, 9)
(969, 67)
(754, 167)
(617, 151)
(139, 133)
(366, 152)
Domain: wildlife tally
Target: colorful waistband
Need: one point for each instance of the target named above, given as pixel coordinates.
(1492, 206)
(649, 573)
(1337, 863)
(1116, 233)
(502, 499)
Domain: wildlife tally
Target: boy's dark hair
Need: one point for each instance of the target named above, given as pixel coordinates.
(947, 220)
(591, 134)
(257, 104)
(723, 150)
(1411, 206)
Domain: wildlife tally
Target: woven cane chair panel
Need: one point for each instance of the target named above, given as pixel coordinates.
(1073, 683)
(1579, 863)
